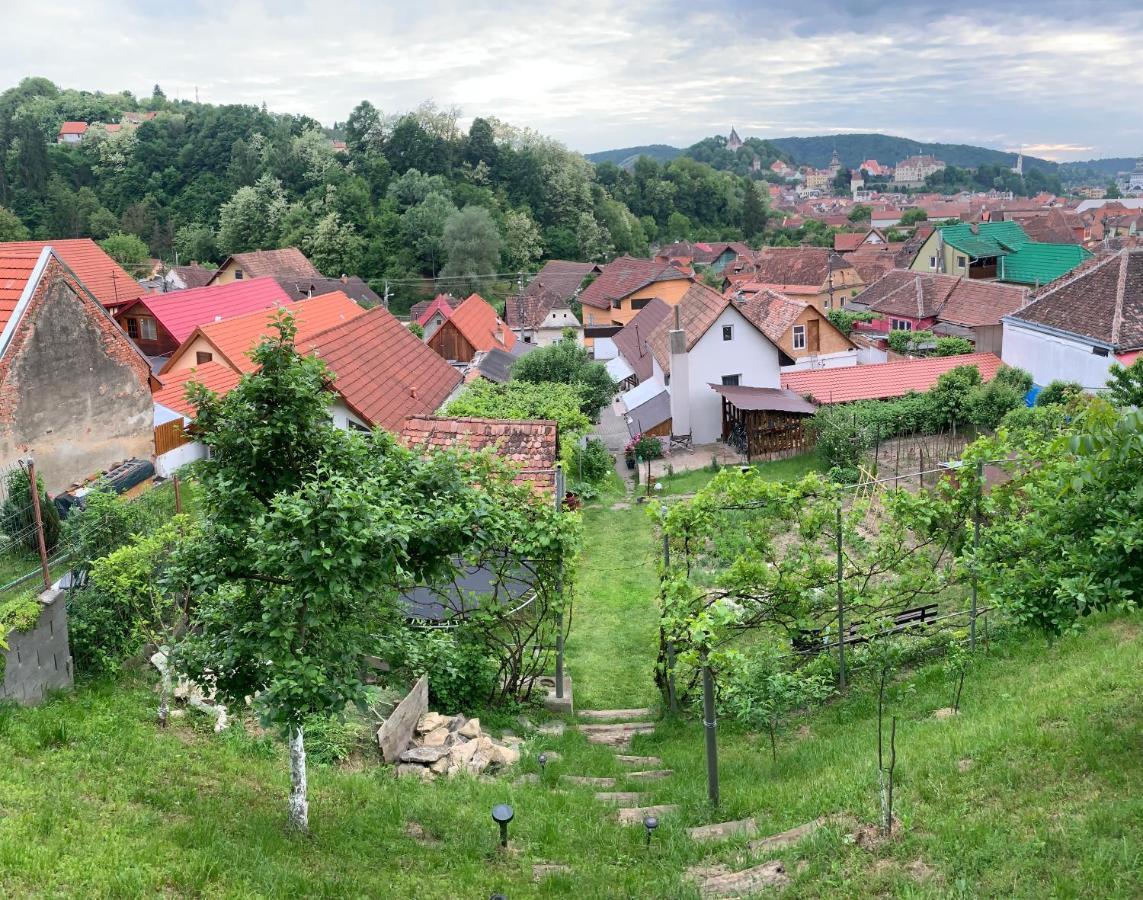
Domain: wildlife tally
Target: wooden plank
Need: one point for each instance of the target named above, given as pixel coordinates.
(396, 731)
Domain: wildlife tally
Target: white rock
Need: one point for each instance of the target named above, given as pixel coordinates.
(470, 729)
(430, 721)
(437, 737)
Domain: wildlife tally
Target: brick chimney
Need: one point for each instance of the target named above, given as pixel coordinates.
(680, 386)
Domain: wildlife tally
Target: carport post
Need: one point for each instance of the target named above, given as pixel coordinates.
(560, 595)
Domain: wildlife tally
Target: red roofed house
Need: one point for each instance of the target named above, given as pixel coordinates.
(74, 391)
(434, 314)
(71, 132)
(884, 380)
(816, 275)
(798, 329)
(159, 323)
(542, 313)
(848, 241)
(532, 446)
(625, 285)
(287, 263)
(474, 327)
(100, 274)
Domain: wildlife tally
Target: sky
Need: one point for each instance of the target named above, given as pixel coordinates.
(1057, 78)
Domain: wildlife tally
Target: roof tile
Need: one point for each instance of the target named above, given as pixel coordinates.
(884, 380)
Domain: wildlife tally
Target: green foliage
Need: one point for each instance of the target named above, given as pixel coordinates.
(525, 400)
(332, 739)
(861, 212)
(566, 362)
(417, 329)
(901, 341)
(844, 320)
(952, 346)
(913, 216)
(644, 447)
(18, 517)
(471, 244)
(1125, 384)
(100, 636)
(1060, 393)
(11, 228)
(462, 672)
(593, 463)
(127, 250)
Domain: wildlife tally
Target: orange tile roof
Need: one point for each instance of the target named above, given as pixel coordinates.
(477, 321)
(15, 269)
(884, 380)
(73, 128)
(531, 445)
(381, 369)
(99, 273)
(235, 338)
(219, 378)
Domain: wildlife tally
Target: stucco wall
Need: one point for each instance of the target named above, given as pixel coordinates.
(74, 392)
(1052, 357)
(39, 660)
(670, 292)
(187, 358)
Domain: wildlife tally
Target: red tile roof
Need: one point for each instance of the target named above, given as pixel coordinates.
(289, 262)
(219, 378)
(73, 128)
(15, 269)
(949, 298)
(774, 314)
(181, 312)
(623, 277)
(797, 269)
(381, 369)
(440, 303)
(631, 339)
(477, 321)
(699, 308)
(99, 273)
(531, 445)
(885, 380)
(235, 338)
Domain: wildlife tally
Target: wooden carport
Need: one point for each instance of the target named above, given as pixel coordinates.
(764, 422)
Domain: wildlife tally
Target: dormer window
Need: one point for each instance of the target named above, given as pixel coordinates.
(237, 274)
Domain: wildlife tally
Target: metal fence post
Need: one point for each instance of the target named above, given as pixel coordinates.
(975, 547)
(710, 725)
(840, 607)
(560, 594)
(672, 696)
(178, 494)
(34, 489)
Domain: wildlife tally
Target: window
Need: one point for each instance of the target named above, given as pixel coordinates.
(728, 332)
(960, 261)
(828, 303)
(202, 357)
(237, 274)
(799, 337)
(933, 263)
(730, 380)
(1099, 351)
(133, 328)
(900, 325)
(147, 329)
(639, 304)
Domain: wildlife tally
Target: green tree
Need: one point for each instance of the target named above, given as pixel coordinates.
(1060, 393)
(11, 228)
(253, 217)
(127, 250)
(422, 228)
(754, 215)
(1112, 191)
(471, 244)
(952, 346)
(18, 515)
(196, 243)
(843, 320)
(566, 362)
(523, 243)
(592, 240)
(1125, 384)
(913, 216)
(335, 247)
(861, 212)
(901, 341)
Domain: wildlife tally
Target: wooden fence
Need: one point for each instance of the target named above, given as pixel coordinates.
(171, 435)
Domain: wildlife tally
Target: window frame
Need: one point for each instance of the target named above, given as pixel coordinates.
(146, 323)
(732, 380)
(900, 324)
(961, 261)
(799, 331)
(202, 357)
(728, 332)
(131, 326)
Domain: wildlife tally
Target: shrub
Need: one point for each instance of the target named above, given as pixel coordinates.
(101, 636)
(908, 341)
(1015, 377)
(330, 739)
(19, 518)
(843, 319)
(1043, 420)
(644, 447)
(952, 346)
(593, 462)
(1059, 392)
(462, 673)
(988, 404)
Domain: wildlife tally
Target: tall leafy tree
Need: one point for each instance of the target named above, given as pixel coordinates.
(471, 243)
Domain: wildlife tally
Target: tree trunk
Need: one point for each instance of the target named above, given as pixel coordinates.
(165, 692)
(299, 804)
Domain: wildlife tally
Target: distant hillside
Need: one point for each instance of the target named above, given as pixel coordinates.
(628, 155)
(853, 149)
(1095, 169)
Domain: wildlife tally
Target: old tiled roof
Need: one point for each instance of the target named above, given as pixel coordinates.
(699, 308)
(974, 303)
(1053, 227)
(288, 262)
(234, 339)
(791, 267)
(100, 274)
(73, 128)
(530, 445)
(623, 277)
(215, 376)
(949, 298)
(631, 339)
(884, 380)
(443, 303)
(563, 276)
(381, 369)
(352, 286)
(872, 262)
(477, 321)
(181, 312)
(1102, 300)
(530, 309)
(194, 275)
(15, 269)
(844, 241)
(774, 314)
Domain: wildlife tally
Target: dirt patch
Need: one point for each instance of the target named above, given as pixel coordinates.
(1126, 631)
(963, 765)
(803, 732)
(540, 871)
(420, 834)
(871, 837)
(920, 870)
(946, 712)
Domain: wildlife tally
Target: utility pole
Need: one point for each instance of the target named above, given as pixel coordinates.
(385, 300)
(41, 542)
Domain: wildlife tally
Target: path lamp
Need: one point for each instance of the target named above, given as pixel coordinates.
(650, 823)
(542, 759)
(502, 815)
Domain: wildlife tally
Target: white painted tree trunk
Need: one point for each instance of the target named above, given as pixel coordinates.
(165, 689)
(299, 804)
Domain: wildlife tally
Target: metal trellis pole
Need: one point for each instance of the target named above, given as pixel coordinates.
(41, 542)
(560, 596)
(975, 546)
(672, 697)
(710, 726)
(840, 608)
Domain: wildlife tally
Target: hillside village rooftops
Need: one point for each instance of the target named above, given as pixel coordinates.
(289, 262)
(73, 128)
(797, 269)
(173, 394)
(624, 276)
(631, 339)
(442, 303)
(180, 312)
(479, 324)
(98, 272)
(955, 299)
(884, 380)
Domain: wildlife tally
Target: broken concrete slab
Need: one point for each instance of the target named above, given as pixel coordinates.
(636, 814)
(791, 836)
(649, 761)
(621, 797)
(721, 830)
(589, 781)
(718, 881)
(618, 714)
(650, 775)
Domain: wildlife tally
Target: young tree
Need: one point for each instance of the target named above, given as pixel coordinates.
(1125, 384)
(11, 228)
(565, 362)
(308, 535)
(523, 244)
(127, 250)
(861, 212)
(913, 216)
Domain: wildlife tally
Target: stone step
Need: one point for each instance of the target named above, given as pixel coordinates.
(634, 815)
(719, 881)
(625, 727)
(720, 830)
(618, 740)
(651, 761)
(601, 714)
(793, 835)
(650, 775)
(589, 781)
(621, 797)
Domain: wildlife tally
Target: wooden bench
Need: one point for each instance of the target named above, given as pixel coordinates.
(807, 640)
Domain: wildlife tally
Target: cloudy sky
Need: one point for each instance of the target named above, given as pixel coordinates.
(1059, 78)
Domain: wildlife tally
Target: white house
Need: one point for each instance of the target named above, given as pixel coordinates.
(1076, 327)
(705, 341)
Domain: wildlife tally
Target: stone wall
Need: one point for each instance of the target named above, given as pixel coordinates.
(39, 660)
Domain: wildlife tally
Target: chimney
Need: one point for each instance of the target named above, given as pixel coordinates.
(344, 278)
(680, 379)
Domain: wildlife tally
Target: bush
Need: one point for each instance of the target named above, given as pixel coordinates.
(1015, 377)
(101, 635)
(844, 474)
(593, 462)
(908, 341)
(19, 518)
(988, 404)
(330, 739)
(1060, 393)
(843, 319)
(565, 362)
(462, 673)
(1043, 420)
(952, 346)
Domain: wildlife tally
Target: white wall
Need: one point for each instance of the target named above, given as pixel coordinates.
(167, 463)
(750, 355)
(342, 417)
(1051, 357)
(840, 360)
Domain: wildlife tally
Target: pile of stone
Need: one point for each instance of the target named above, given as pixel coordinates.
(449, 745)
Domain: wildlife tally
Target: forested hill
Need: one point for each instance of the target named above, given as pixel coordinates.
(626, 156)
(409, 197)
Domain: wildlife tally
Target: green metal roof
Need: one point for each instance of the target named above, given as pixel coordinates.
(989, 238)
(1035, 263)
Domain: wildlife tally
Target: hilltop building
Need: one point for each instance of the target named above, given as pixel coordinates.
(1131, 183)
(734, 141)
(913, 171)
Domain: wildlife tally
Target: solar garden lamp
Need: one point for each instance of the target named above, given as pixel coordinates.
(502, 815)
(650, 823)
(542, 759)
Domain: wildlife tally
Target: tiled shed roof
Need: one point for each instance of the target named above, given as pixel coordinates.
(180, 312)
(884, 380)
(623, 277)
(478, 322)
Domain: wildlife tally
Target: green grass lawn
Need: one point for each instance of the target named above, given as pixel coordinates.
(780, 470)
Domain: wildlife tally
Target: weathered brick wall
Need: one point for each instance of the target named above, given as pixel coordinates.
(39, 660)
(74, 391)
